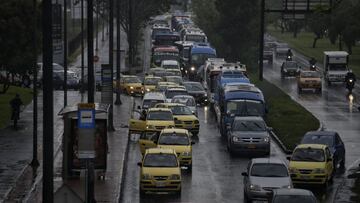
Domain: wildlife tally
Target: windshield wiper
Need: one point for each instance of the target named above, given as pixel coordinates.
(244, 125)
(256, 124)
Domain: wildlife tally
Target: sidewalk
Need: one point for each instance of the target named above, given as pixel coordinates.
(18, 182)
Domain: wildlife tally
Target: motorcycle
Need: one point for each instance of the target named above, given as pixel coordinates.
(350, 83)
(289, 58)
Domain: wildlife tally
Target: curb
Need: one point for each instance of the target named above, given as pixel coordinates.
(124, 162)
(280, 143)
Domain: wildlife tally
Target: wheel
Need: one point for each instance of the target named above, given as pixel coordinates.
(319, 91)
(329, 83)
(342, 163)
(142, 193)
(189, 169)
(178, 193)
(282, 75)
(299, 90)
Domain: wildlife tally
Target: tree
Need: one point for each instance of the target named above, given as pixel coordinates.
(141, 11)
(318, 23)
(16, 40)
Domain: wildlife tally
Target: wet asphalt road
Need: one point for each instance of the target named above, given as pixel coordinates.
(334, 110)
(216, 176)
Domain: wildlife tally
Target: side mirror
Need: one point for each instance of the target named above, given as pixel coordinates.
(139, 164)
(270, 128)
(329, 159)
(138, 107)
(288, 158)
(142, 83)
(175, 119)
(244, 174)
(192, 142)
(155, 142)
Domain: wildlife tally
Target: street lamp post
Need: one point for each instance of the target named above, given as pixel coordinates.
(111, 59)
(261, 40)
(48, 114)
(65, 53)
(118, 38)
(35, 162)
(82, 51)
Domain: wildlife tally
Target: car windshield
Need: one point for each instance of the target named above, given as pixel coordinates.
(310, 74)
(160, 56)
(308, 154)
(160, 115)
(293, 199)
(160, 160)
(177, 80)
(269, 170)
(194, 87)
(171, 93)
(245, 108)
(290, 64)
(149, 103)
(318, 139)
(151, 81)
(242, 125)
(195, 38)
(184, 100)
(173, 139)
(171, 66)
(181, 110)
(200, 59)
(132, 80)
(337, 67)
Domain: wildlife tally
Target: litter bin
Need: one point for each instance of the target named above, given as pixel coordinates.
(72, 165)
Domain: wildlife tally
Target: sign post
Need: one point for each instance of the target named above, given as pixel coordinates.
(86, 125)
(107, 91)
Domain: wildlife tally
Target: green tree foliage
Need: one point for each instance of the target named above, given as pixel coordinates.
(318, 23)
(232, 27)
(17, 26)
(142, 10)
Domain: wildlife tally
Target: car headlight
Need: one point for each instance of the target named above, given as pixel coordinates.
(131, 87)
(174, 177)
(319, 170)
(236, 139)
(171, 126)
(186, 71)
(146, 176)
(196, 121)
(285, 70)
(287, 186)
(186, 153)
(266, 139)
(192, 68)
(255, 187)
(148, 89)
(181, 68)
(150, 127)
(293, 170)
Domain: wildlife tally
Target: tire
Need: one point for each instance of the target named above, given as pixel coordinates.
(299, 90)
(329, 83)
(246, 198)
(319, 91)
(282, 75)
(178, 193)
(142, 193)
(342, 163)
(189, 169)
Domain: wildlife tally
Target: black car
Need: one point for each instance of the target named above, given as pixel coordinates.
(292, 195)
(332, 140)
(58, 81)
(290, 68)
(196, 90)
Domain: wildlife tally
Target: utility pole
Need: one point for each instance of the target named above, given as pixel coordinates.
(261, 40)
(97, 27)
(90, 51)
(35, 163)
(82, 90)
(48, 113)
(111, 59)
(118, 47)
(130, 37)
(65, 53)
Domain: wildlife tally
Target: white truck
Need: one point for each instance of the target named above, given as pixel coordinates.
(335, 66)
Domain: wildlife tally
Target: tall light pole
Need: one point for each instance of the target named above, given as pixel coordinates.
(65, 53)
(48, 112)
(261, 40)
(35, 162)
(118, 38)
(90, 51)
(111, 59)
(82, 90)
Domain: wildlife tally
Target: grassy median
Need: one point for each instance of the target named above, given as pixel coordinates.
(288, 118)
(5, 110)
(303, 44)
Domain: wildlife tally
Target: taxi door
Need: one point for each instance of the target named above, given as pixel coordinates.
(135, 123)
(329, 162)
(148, 140)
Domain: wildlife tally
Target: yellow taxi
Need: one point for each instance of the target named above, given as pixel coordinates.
(311, 164)
(131, 85)
(150, 125)
(309, 80)
(160, 172)
(150, 83)
(183, 116)
(179, 140)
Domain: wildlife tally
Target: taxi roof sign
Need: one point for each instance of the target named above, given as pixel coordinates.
(86, 106)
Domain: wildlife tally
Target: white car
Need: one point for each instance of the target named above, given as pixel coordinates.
(187, 100)
(152, 98)
(170, 64)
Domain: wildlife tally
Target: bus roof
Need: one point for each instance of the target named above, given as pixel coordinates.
(202, 48)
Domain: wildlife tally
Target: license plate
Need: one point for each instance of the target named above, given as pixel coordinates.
(251, 146)
(305, 177)
(188, 126)
(160, 184)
